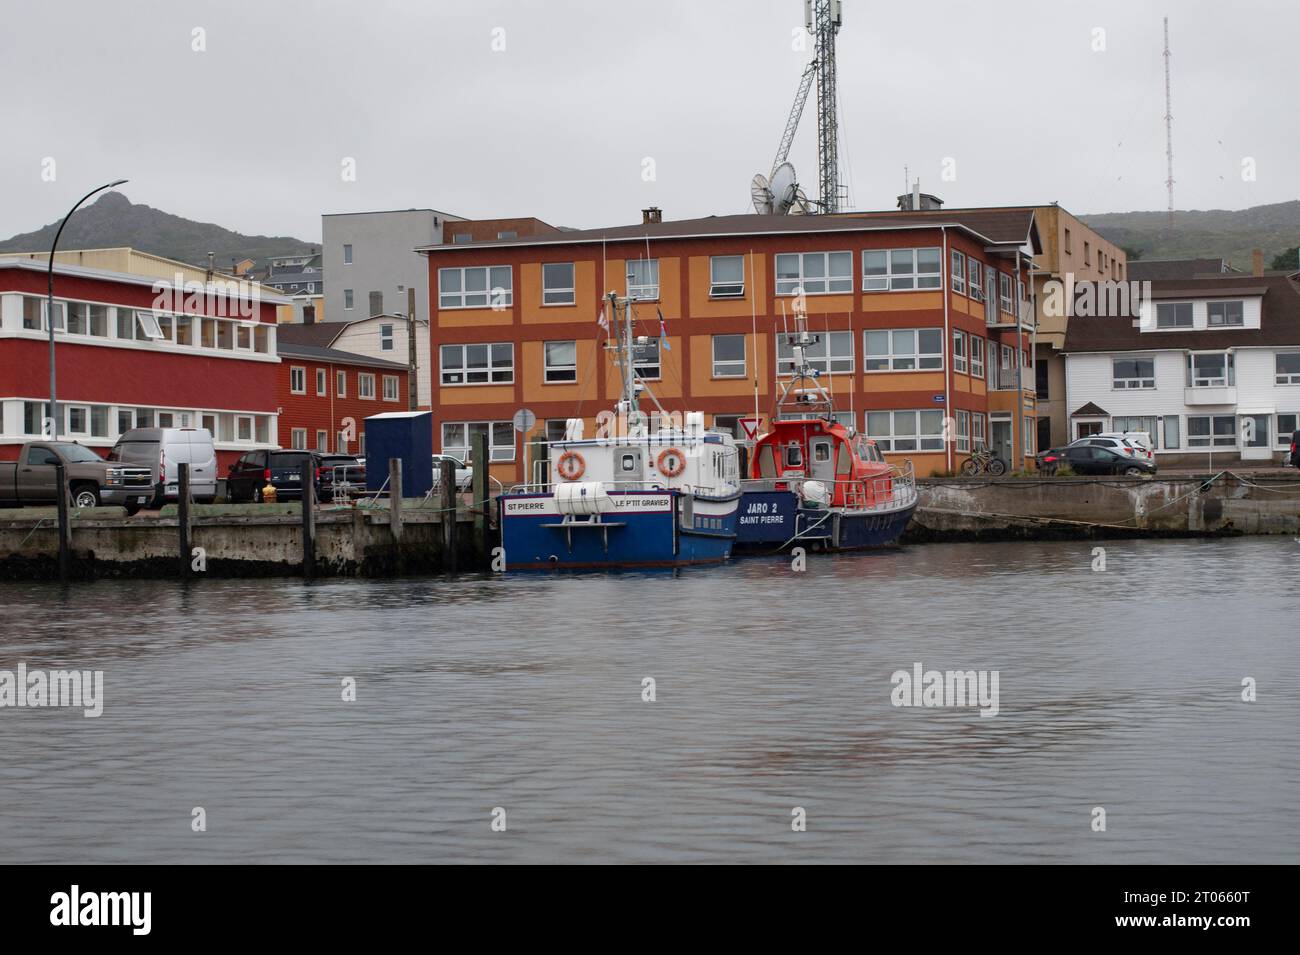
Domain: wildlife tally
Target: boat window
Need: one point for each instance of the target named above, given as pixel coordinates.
(821, 451)
(844, 462)
(793, 456)
(629, 462)
(766, 462)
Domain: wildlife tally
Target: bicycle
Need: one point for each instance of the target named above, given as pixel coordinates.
(982, 461)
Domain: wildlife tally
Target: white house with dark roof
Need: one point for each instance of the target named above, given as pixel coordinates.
(1209, 368)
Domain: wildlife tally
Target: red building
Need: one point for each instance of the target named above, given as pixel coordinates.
(324, 394)
(133, 351)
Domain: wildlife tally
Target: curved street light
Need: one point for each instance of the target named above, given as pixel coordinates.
(49, 317)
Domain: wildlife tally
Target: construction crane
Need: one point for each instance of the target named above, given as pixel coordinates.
(778, 192)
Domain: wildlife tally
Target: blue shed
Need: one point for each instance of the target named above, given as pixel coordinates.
(400, 434)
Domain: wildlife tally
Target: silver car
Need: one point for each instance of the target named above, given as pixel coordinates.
(464, 473)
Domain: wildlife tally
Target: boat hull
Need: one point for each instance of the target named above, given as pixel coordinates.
(771, 520)
(644, 529)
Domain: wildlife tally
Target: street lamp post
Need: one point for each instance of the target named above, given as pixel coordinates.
(49, 307)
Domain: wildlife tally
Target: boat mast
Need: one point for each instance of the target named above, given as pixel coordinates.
(803, 391)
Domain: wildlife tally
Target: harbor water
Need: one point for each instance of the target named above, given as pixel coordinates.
(1118, 689)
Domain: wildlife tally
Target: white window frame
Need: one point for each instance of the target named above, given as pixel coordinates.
(349, 300)
(977, 356)
(1224, 304)
(648, 370)
(340, 383)
(1004, 293)
(1229, 370)
(643, 291)
(347, 253)
(322, 440)
(729, 367)
(298, 439)
(820, 355)
(957, 266)
(566, 373)
(366, 383)
(801, 280)
(247, 419)
(562, 294)
(322, 383)
(727, 289)
(391, 391)
(495, 376)
(975, 278)
(386, 337)
(497, 453)
(959, 350)
(494, 294)
(912, 280)
(897, 361)
(1175, 306)
(1212, 440)
(979, 430)
(1129, 384)
(1282, 377)
(930, 441)
(297, 379)
(963, 431)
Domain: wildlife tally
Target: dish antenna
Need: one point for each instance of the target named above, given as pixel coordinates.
(784, 188)
(761, 194)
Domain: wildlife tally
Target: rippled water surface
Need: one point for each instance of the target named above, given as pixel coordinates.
(1119, 689)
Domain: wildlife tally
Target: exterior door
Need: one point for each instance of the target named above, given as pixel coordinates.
(1256, 443)
(1002, 445)
(36, 476)
(823, 460)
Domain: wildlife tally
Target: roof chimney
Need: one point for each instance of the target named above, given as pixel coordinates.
(653, 214)
(212, 268)
(918, 201)
(1257, 261)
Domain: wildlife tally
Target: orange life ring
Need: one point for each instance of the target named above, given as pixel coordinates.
(571, 466)
(675, 465)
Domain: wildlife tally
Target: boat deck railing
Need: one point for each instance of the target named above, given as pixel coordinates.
(889, 492)
(702, 490)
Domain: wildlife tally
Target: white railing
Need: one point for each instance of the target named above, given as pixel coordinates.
(895, 491)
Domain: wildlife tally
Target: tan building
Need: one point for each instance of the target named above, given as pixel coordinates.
(1071, 252)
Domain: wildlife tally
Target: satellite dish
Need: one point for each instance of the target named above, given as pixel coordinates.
(802, 206)
(761, 194)
(784, 188)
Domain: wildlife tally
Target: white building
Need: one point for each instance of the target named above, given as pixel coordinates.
(1211, 368)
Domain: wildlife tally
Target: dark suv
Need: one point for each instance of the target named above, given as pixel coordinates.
(280, 469)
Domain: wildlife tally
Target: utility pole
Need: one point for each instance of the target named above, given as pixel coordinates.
(1169, 132)
(822, 19)
(412, 366)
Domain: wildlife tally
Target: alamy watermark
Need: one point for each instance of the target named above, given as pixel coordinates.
(921, 687)
(55, 688)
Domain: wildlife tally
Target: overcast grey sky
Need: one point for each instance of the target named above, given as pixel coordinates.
(252, 132)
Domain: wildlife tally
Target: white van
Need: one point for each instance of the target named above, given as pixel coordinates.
(162, 449)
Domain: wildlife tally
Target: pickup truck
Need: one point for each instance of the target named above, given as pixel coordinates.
(90, 479)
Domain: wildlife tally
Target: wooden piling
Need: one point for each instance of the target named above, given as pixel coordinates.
(308, 521)
(447, 504)
(183, 515)
(65, 523)
(482, 495)
(395, 497)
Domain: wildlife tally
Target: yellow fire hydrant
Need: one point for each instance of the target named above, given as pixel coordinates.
(268, 494)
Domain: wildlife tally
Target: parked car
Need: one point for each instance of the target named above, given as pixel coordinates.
(1119, 445)
(1294, 459)
(281, 469)
(464, 473)
(32, 478)
(1094, 459)
(1050, 460)
(161, 450)
(1137, 439)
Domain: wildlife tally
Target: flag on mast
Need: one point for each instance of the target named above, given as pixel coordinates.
(600, 320)
(663, 331)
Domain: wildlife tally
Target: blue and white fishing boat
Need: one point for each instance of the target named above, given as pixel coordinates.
(646, 491)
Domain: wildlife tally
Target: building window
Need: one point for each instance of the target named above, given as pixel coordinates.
(323, 441)
(904, 349)
(1225, 313)
(322, 386)
(958, 272)
(476, 287)
(959, 351)
(1143, 423)
(1133, 373)
(341, 442)
(365, 385)
(726, 276)
(1286, 426)
(1087, 253)
(900, 269)
(478, 364)
(817, 273)
(963, 430)
(390, 388)
(1004, 292)
(1171, 432)
(508, 234)
(560, 362)
(347, 298)
(347, 254)
(385, 337)
(1287, 366)
(976, 356)
(831, 354)
(906, 430)
(1210, 370)
(979, 433)
(1211, 431)
(728, 356)
(557, 283)
(298, 380)
(1174, 315)
(643, 279)
(298, 440)
(457, 439)
(341, 384)
(975, 271)
(645, 359)
(1027, 430)
(1068, 250)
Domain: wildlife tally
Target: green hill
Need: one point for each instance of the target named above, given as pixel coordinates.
(113, 220)
(1210, 233)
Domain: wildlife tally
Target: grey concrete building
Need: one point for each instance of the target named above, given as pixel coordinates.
(370, 260)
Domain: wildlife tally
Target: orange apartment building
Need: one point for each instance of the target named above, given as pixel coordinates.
(926, 331)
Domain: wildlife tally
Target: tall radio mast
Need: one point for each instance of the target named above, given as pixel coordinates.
(1169, 132)
(823, 19)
